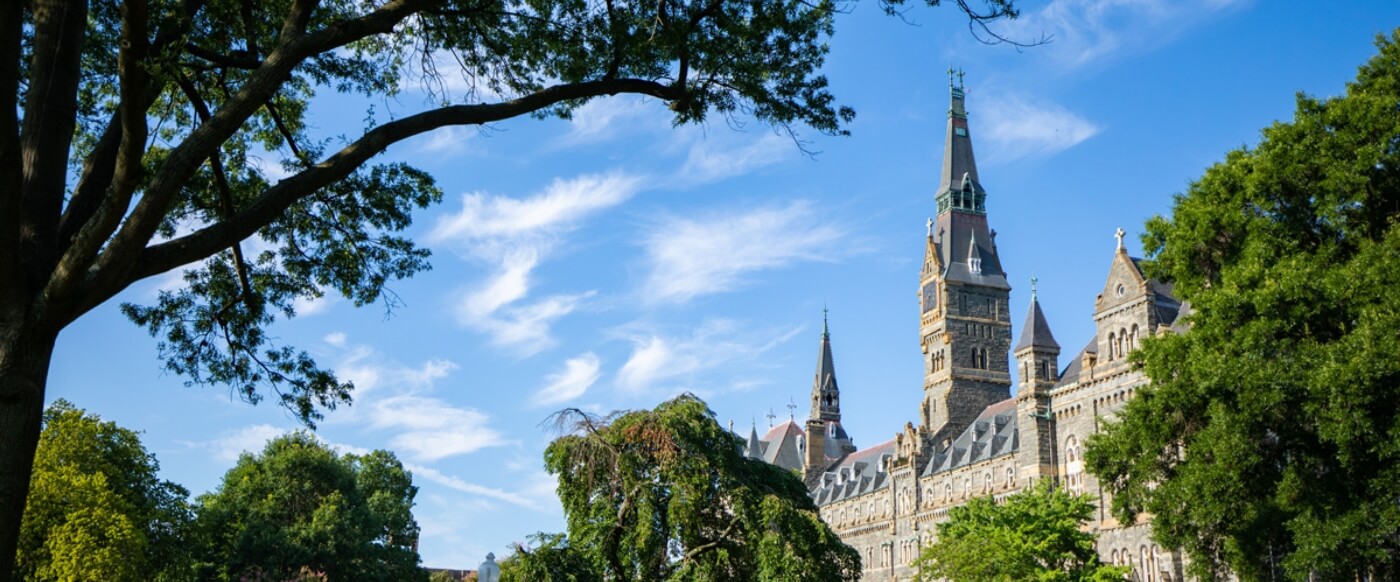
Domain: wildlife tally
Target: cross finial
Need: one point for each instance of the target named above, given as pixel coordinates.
(951, 72)
(771, 416)
(1033, 281)
(792, 408)
(1119, 234)
(960, 78)
(930, 228)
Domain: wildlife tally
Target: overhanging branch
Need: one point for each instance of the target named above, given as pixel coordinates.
(207, 241)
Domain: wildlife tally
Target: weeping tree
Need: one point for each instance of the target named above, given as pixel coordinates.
(665, 494)
(127, 128)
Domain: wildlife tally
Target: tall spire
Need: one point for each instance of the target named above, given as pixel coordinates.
(959, 188)
(826, 397)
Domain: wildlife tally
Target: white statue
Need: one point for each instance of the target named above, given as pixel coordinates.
(489, 571)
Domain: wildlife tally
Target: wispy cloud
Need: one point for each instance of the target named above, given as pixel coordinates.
(516, 235)
(1016, 128)
(488, 222)
(579, 374)
(691, 257)
(430, 429)
(721, 155)
(607, 118)
(249, 439)
(1087, 32)
(707, 360)
(455, 483)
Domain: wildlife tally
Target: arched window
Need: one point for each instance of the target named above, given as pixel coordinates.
(987, 482)
(1122, 342)
(967, 488)
(1010, 477)
(1132, 338)
(947, 492)
(1074, 465)
(1112, 342)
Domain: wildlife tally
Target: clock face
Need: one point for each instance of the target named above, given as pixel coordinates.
(930, 296)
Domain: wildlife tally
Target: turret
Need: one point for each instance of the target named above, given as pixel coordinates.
(1037, 364)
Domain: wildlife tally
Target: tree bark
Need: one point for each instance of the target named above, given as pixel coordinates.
(25, 352)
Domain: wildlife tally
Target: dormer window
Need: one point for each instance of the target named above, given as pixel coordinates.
(975, 265)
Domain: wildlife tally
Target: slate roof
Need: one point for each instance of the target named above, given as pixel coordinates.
(992, 435)
(1036, 332)
(958, 160)
(781, 445)
(1071, 372)
(859, 473)
(956, 234)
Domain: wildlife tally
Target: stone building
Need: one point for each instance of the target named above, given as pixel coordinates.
(973, 438)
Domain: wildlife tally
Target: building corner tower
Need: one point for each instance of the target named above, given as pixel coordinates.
(826, 440)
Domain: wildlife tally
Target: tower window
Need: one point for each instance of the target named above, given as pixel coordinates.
(960, 132)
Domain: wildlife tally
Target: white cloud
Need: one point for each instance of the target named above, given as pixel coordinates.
(1086, 32)
(523, 500)
(690, 257)
(578, 375)
(1018, 129)
(486, 219)
(705, 361)
(517, 235)
(430, 428)
(335, 338)
(606, 118)
(249, 439)
(364, 367)
(720, 155)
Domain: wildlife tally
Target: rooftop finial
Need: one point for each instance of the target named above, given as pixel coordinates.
(960, 78)
(826, 331)
(1033, 281)
(951, 72)
(771, 416)
(1119, 234)
(930, 228)
(792, 409)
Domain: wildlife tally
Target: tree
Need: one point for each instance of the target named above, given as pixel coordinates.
(1269, 440)
(1031, 535)
(549, 560)
(300, 509)
(665, 494)
(97, 510)
(126, 128)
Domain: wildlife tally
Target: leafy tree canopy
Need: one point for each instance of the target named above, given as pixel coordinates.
(1032, 535)
(128, 130)
(301, 510)
(1269, 440)
(665, 494)
(97, 510)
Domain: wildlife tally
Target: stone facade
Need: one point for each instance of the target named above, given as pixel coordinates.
(974, 439)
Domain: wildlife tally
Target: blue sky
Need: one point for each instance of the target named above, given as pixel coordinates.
(612, 261)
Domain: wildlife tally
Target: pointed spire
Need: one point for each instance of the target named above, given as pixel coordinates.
(958, 184)
(826, 397)
(974, 255)
(754, 449)
(1036, 331)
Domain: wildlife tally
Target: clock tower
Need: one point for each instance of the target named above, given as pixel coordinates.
(964, 323)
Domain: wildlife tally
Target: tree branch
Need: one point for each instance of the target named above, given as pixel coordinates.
(50, 113)
(11, 176)
(205, 242)
(712, 544)
(123, 249)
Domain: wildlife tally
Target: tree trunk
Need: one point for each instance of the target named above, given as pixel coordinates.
(24, 368)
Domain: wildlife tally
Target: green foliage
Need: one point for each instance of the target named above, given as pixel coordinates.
(96, 509)
(549, 559)
(1032, 535)
(299, 509)
(665, 495)
(1269, 440)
